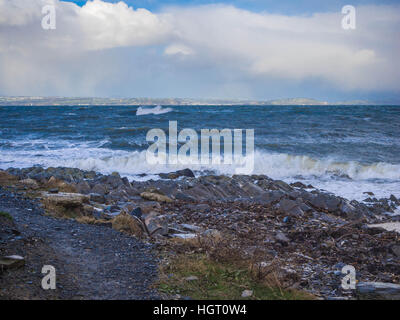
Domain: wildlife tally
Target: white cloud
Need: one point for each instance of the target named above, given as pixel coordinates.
(178, 49)
(226, 41)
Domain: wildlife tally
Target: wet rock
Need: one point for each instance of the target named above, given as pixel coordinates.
(96, 197)
(83, 187)
(100, 189)
(378, 290)
(252, 189)
(294, 195)
(348, 210)
(290, 207)
(184, 197)
(180, 173)
(118, 195)
(283, 186)
(369, 193)
(126, 182)
(318, 202)
(332, 204)
(114, 181)
(270, 197)
(298, 185)
(305, 208)
(156, 224)
(137, 212)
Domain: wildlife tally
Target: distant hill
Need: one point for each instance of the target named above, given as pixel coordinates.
(64, 101)
(297, 101)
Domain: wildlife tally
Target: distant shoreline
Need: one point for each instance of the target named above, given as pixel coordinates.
(90, 101)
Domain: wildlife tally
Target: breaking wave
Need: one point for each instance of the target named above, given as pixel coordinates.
(349, 179)
(156, 110)
(93, 156)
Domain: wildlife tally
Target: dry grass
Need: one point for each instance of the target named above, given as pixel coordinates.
(7, 179)
(60, 211)
(93, 221)
(61, 185)
(128, 224)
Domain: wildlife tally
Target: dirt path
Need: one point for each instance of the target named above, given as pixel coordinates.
(92, 262)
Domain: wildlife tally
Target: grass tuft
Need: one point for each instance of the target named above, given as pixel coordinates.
(126, 223)
(219, 281)
(6, 215)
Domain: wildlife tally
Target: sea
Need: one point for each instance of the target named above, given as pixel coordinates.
(345, 150)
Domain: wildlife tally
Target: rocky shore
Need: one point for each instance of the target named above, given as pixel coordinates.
(302, 234)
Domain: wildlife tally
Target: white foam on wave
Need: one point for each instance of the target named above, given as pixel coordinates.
(285, 165)
(348, 179)
(156, 110)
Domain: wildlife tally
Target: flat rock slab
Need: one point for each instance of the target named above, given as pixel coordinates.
(378, 290)
(390, 226)
(65, 199)
(10, 262)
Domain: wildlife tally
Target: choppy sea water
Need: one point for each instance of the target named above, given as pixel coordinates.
(346, 150)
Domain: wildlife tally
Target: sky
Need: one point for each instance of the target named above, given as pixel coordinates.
(238, 49)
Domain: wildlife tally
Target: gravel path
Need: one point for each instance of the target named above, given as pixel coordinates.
(92, 262)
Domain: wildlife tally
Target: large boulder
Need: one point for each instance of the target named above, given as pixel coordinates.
(252, 190)
(177, 174)
(318, 201)
(281, 185)
(114, 181)
(65, 199)
(270, 197)
(65, 204)
(349, 211)
(290, 207)
(83, 187)
(100, 189)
